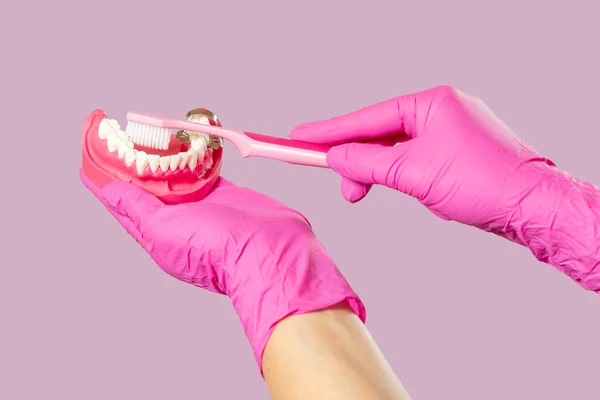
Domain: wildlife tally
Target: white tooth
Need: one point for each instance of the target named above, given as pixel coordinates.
(153, 160)
(200, 148)
(141, 161)
(184, 160)
(104, 129)
(122, 148)
(129, 157)
(193, 161)
(201, 154)
(164, 163)
(115, 125)
(199, 143)
(174, 162)
(112, 142)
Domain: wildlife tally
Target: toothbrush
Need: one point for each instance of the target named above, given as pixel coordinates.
(156, 132)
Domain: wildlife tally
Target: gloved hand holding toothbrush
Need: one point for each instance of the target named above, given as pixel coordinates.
(449, 151)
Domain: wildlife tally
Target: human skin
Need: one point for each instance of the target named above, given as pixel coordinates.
(328, 354)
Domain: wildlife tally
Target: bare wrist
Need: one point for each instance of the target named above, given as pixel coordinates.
(328, 354)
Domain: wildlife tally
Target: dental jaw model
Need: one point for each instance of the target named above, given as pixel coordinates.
(181, 171)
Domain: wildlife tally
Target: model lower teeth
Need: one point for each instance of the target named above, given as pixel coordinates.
(198, 157)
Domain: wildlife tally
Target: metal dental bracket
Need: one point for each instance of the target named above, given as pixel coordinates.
(184, 136)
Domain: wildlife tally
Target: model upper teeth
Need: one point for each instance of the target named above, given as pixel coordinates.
(116, 140)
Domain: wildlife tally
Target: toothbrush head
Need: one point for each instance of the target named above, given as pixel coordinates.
(157, 133)
(148, 135)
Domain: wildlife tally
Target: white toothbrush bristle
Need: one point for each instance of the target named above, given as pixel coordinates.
(148, 136)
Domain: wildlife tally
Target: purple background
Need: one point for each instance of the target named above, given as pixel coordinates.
(85, 314)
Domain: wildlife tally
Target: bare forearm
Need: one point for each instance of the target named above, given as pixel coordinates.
(329, 355)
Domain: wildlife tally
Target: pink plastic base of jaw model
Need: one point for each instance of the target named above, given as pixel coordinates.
(103, 167)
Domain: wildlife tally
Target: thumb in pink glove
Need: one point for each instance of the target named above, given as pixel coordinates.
(237, 242)
(450, 152)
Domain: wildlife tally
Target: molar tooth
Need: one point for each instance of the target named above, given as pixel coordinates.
(141, 161)
(193, 161)
(129, 157)
(164, 163)
(184, 159)
(112, 142)
(153, 160)
(121, 148)
(174, 162)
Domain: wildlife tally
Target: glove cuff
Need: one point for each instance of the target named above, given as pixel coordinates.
(558, 220)
(305, 282)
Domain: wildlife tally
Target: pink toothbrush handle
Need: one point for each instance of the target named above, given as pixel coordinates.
(291, 151)
(249, 144)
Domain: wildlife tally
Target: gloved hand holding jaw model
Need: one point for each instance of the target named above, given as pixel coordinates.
(237, 242)
(296, 308)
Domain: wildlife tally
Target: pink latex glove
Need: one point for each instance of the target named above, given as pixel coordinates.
(459, 160)
(237, 242)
